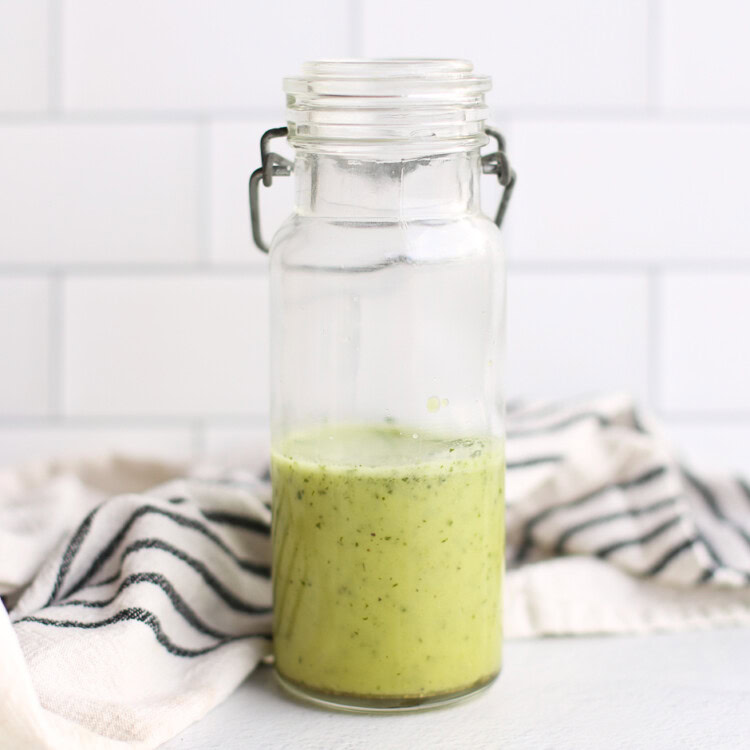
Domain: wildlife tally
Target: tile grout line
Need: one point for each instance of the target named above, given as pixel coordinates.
(257, 421)
(139, 421)
(203, 192)
(574, 266)
(55, 364)
(142, 117)
(251, 269)
(733, 417)
(595, 115)
(121, 270)
(654, 339)
(54, 59)
(654, 56)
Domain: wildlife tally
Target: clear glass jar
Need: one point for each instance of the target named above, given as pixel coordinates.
(387, 319)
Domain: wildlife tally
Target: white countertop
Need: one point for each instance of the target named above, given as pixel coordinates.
(687, 690)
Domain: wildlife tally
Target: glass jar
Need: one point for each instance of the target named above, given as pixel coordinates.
(387, 319)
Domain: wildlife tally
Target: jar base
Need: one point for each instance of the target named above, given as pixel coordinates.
(386, 704)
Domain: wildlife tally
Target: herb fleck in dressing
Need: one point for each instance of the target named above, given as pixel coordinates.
(387, 562)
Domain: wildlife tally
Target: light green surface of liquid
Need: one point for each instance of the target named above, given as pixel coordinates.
(387, 562)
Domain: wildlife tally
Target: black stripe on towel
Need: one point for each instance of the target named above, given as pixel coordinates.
(598, 520)
(527, 541)
(237, 520)
(675, 552)
(181, 520)
(536, 461)
(605, 552)
(706, 575)
(637, 423)
(714, 555)
(163, 583)
(745, 487)
(514, 405)
(70, 552)
(136, 614)
(712, 571)
(713, 504)
(210, 579)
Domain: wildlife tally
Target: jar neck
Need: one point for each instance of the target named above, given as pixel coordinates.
(439, 186)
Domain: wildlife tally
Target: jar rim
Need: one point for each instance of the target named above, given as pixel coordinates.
(391, 100)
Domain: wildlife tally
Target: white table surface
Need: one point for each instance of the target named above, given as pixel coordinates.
(688, 690)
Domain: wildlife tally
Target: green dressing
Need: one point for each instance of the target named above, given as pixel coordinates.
(387, 562)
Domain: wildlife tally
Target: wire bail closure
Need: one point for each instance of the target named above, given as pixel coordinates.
(497, 163)
(275, 165)
(272, 165)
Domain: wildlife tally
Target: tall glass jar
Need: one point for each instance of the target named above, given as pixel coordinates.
(387, 319)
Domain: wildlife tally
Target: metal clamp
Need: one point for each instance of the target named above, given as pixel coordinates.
(272, 165)
(497, 163)
(275, 165)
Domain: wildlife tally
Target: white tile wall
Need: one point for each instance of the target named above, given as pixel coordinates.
(590, 334)
(541, 53)
(705, 353)
(103, 193)
(628, 191)
(24, 60)
(712, 444)
(705, 53)
(177, 345)
(25, 345)
(192, 54)
(133, 304)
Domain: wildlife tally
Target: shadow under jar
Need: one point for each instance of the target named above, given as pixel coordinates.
(387, 320)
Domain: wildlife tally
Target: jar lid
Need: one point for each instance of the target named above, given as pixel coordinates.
(419, 104)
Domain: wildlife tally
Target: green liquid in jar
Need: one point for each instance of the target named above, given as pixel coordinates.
(388, 552)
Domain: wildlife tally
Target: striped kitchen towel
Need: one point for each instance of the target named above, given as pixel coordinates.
(143, 618)
(138, 600)
(599, 479)
(609, 531)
